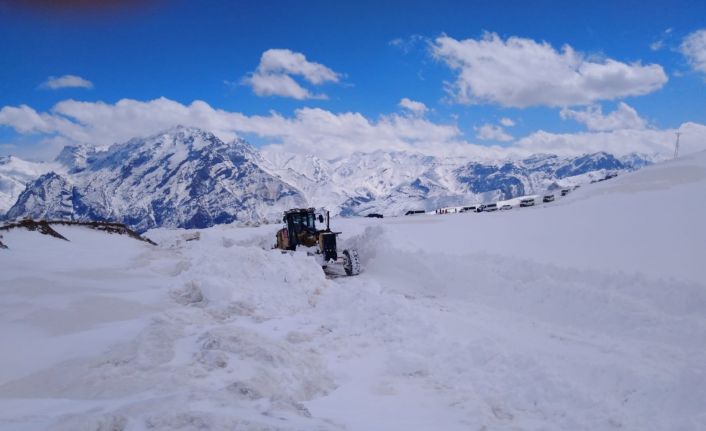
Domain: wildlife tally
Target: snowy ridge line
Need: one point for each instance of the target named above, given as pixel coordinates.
(44, 227)
(189, 178)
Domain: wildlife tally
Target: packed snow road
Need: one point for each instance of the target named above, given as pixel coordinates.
(589, 313)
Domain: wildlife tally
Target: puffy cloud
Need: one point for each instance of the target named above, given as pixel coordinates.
(413, 106)
(507, 122)
(25, 120)
(310, 130)
(490, 132)
(273, 76)
(624, 117)
(98, 123)
(66, 81)
(286, 61)
(521, 72)
(280, 85)
(319, 131)
(694, 49)
(619, 142)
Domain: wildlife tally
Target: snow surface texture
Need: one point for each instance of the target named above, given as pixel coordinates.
(588, 313)
(186, 177)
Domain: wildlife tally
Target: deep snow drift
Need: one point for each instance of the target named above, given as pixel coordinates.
(585, 314)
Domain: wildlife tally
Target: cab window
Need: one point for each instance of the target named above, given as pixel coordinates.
(309, 221)
(306, 221)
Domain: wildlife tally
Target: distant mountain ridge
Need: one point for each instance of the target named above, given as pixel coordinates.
(189, 178)
(15, 173)
(180, 178)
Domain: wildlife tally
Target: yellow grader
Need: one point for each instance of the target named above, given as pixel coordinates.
(300, 231)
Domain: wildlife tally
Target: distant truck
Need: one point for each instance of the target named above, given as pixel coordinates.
(414, 212)
(528, 202)
(374, 215)
(491, 207)
(468, 209)
(548, 198)
(565, 192)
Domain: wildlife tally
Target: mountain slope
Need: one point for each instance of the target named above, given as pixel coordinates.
(15, 173)
(394, 182)
(180, 178)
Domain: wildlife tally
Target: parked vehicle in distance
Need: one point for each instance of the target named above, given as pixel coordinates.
(527, 202)
(374, 215)
(565, 192)
(577, 186)
(480, 208)
(506, 207)
(611, 175)
(468, 209)
(414, 212)
(548, 198)
(490, 208)
(447, 210)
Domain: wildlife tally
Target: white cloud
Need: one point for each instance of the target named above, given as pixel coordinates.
(286, 61)
(280, 85)
(415, 107)
(407, 44)
(66, 81)
(507, 122)
(490, 132)
(624, 117)
(694, 49)
(309, 130)
(619, 142)
(318, 131)
(521, 72)
(657, 45)
(660, 43)
(273, 76)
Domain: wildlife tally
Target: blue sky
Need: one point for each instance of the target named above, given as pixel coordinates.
(380, 53)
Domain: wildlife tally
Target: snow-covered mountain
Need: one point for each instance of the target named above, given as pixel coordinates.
(186, 177)
(15, 173)
(180, 178)
(394, 182)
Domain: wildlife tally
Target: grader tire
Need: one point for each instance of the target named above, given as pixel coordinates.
(351, 264)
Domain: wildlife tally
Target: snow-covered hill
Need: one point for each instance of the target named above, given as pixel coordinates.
(15, 173)
(588, 313)
(186, 177)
